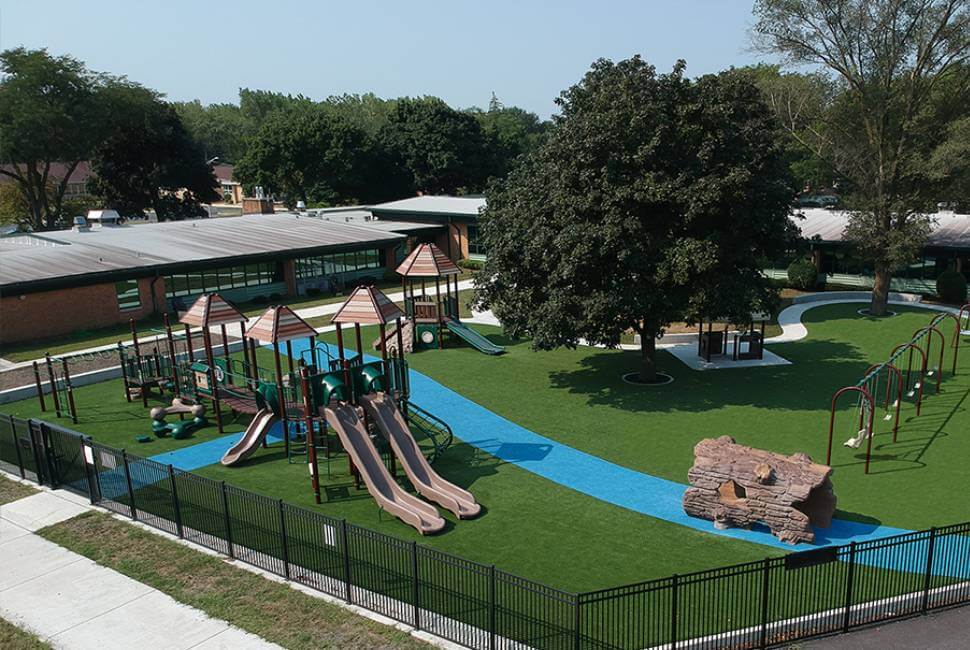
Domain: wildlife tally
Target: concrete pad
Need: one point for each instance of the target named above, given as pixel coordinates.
(29, 557)
(688, 355)
(235, 639)
(152, 622)
(69, 596)
(40, 510)
(10, 531)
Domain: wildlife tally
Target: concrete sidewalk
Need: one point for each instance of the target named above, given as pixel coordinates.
(72, 602)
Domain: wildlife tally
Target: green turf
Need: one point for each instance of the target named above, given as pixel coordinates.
(550, 533)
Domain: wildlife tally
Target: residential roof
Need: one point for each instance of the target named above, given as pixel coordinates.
(57, 170)
(167, 246)
(427, 261)
(367, 306)
(433, 207)
(950, 229)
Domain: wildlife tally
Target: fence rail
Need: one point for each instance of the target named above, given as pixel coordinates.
(751, 605)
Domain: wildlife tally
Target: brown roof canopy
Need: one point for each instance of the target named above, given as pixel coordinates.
(427, 261)
(367, 306)
(279, 324)
(211, 309)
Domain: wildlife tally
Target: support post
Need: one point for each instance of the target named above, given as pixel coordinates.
(766, 569)
(927, 579)
(131, 489)
(673, 611)
(415, 586)
(177, 509)
(849, 580)
(16, 446)
(40, 387)
(53, 384)
(213, 382)
(227, 519)
(71, 406)
(281, 397)
(172, 356)
(491, 608)
(311, 449)
(344, 541)
(286, 549)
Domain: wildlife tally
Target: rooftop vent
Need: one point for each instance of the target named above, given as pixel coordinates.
(81, 224)
(104, 218)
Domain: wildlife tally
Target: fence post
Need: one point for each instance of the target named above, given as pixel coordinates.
(577, 638)
(929, 570)
(175, 502)
(286, 550)
(16, 445)
(492, 606)
(848, 588)
(415, 588)
(131, 489)
(38, 462)
(45, 443)
(346, 545)
(764, 604)
(90, 469)
(673, 612)
(227, 519)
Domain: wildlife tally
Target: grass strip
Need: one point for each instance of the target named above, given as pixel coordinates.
(15, 638)
(11, 491)
(266, 608)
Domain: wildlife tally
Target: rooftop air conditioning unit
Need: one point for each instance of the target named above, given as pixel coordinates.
(81, 224)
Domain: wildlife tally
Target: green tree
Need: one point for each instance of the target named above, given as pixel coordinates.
(444, 150)
(654, 200)
(308, 153)
(220, 129)
(509, 132)
(150, 160)
(50, 112)
(892, 77)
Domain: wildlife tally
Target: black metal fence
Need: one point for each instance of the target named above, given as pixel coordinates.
(756, 604)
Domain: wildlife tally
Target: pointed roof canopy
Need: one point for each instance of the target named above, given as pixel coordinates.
(427, 261)
(279, 324)
(211, 309)
(367, 306)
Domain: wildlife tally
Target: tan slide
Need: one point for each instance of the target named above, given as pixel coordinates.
(428, 483)
(388, 494)
(262, 422)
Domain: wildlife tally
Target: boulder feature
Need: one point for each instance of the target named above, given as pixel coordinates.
(736, 486)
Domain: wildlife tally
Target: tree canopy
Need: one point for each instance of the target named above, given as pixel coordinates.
(891, 80)
(654, 199)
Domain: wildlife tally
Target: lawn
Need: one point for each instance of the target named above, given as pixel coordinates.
(553, 534)
(15, 638)
(12, 491)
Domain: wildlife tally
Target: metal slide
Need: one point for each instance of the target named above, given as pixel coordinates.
(428, 483)
(262, 422)
(473, 338)
(388, 494)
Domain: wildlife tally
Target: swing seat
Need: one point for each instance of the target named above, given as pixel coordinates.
(887, 417)
(895, 403)
(917, 385)
(910, 393)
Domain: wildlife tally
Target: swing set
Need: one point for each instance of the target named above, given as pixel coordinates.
(889, 383)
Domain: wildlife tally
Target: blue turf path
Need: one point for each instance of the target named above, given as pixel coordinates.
(572, 468)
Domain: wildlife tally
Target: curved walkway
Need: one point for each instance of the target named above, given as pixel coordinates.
(581, 471)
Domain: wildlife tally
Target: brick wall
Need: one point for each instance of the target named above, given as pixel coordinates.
(454, 241)
(53, 313)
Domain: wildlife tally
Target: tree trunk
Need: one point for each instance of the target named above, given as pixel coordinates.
(880, 291)
(648, 358)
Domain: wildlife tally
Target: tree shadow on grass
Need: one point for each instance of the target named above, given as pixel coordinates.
(818, 369)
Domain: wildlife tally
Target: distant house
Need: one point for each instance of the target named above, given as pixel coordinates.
(231, 189)
(77, 183)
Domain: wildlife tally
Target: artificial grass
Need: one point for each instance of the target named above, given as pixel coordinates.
(15, 638)
(266, 608)
(12, 491)
(552, 534)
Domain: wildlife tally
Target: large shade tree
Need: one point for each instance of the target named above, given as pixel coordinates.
(654, 200)
(891, 81)
(51, 118)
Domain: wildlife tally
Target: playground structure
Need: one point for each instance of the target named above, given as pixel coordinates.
(889, 383)
(181, 429)
(58, 372)
(737, 486)
(428, 317)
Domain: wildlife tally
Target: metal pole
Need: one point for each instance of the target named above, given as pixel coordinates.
(131, 489)
(415, 589)
(16, 446)
(764, 603)
(281, 397)
(848, 588)
(72, 407)
(40, 387)
(310, 440)
(343, 534)
(122, 359)
(175, 502)
(673, 612)
(53, 383)
(929, 570)
(286, 550)
(227, 519)
(441, 321)
(172, 355)
(491, 608)
(213, 382)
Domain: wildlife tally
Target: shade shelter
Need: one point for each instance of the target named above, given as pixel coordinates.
(277, 325)
(427, 262)
(208, 311)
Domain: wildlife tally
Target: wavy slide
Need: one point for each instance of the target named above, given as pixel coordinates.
(428, 483)
(261, 424)
(388, 494)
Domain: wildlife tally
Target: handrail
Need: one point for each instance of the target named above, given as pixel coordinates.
(432, 426)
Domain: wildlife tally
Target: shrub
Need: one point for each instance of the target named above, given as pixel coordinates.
(471, 265)
(391, 276)
(803, 275)
(275, 297)
(951, 286)
(313, 291)
(260, 300)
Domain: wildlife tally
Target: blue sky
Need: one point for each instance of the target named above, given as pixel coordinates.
(526, 52)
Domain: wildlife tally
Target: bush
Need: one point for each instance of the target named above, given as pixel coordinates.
(803, 275)
(260, 300)
(313, 291)
(471, 265)
(391, 276)
(275, 297)
(951, 286)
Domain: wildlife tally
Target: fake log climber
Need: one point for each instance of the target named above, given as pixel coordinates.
(737, 486)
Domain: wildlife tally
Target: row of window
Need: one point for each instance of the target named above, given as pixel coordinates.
(325, 265)
(230, 277)
(127, 293)
(475, 244)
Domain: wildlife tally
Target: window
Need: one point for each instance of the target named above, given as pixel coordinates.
(475, 245)
(326, 265)
(234, 277)
(127, 293)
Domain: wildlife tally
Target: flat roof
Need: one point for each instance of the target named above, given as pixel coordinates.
(75, 255)
(433, 207)
(364, 217)
(949, 230)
